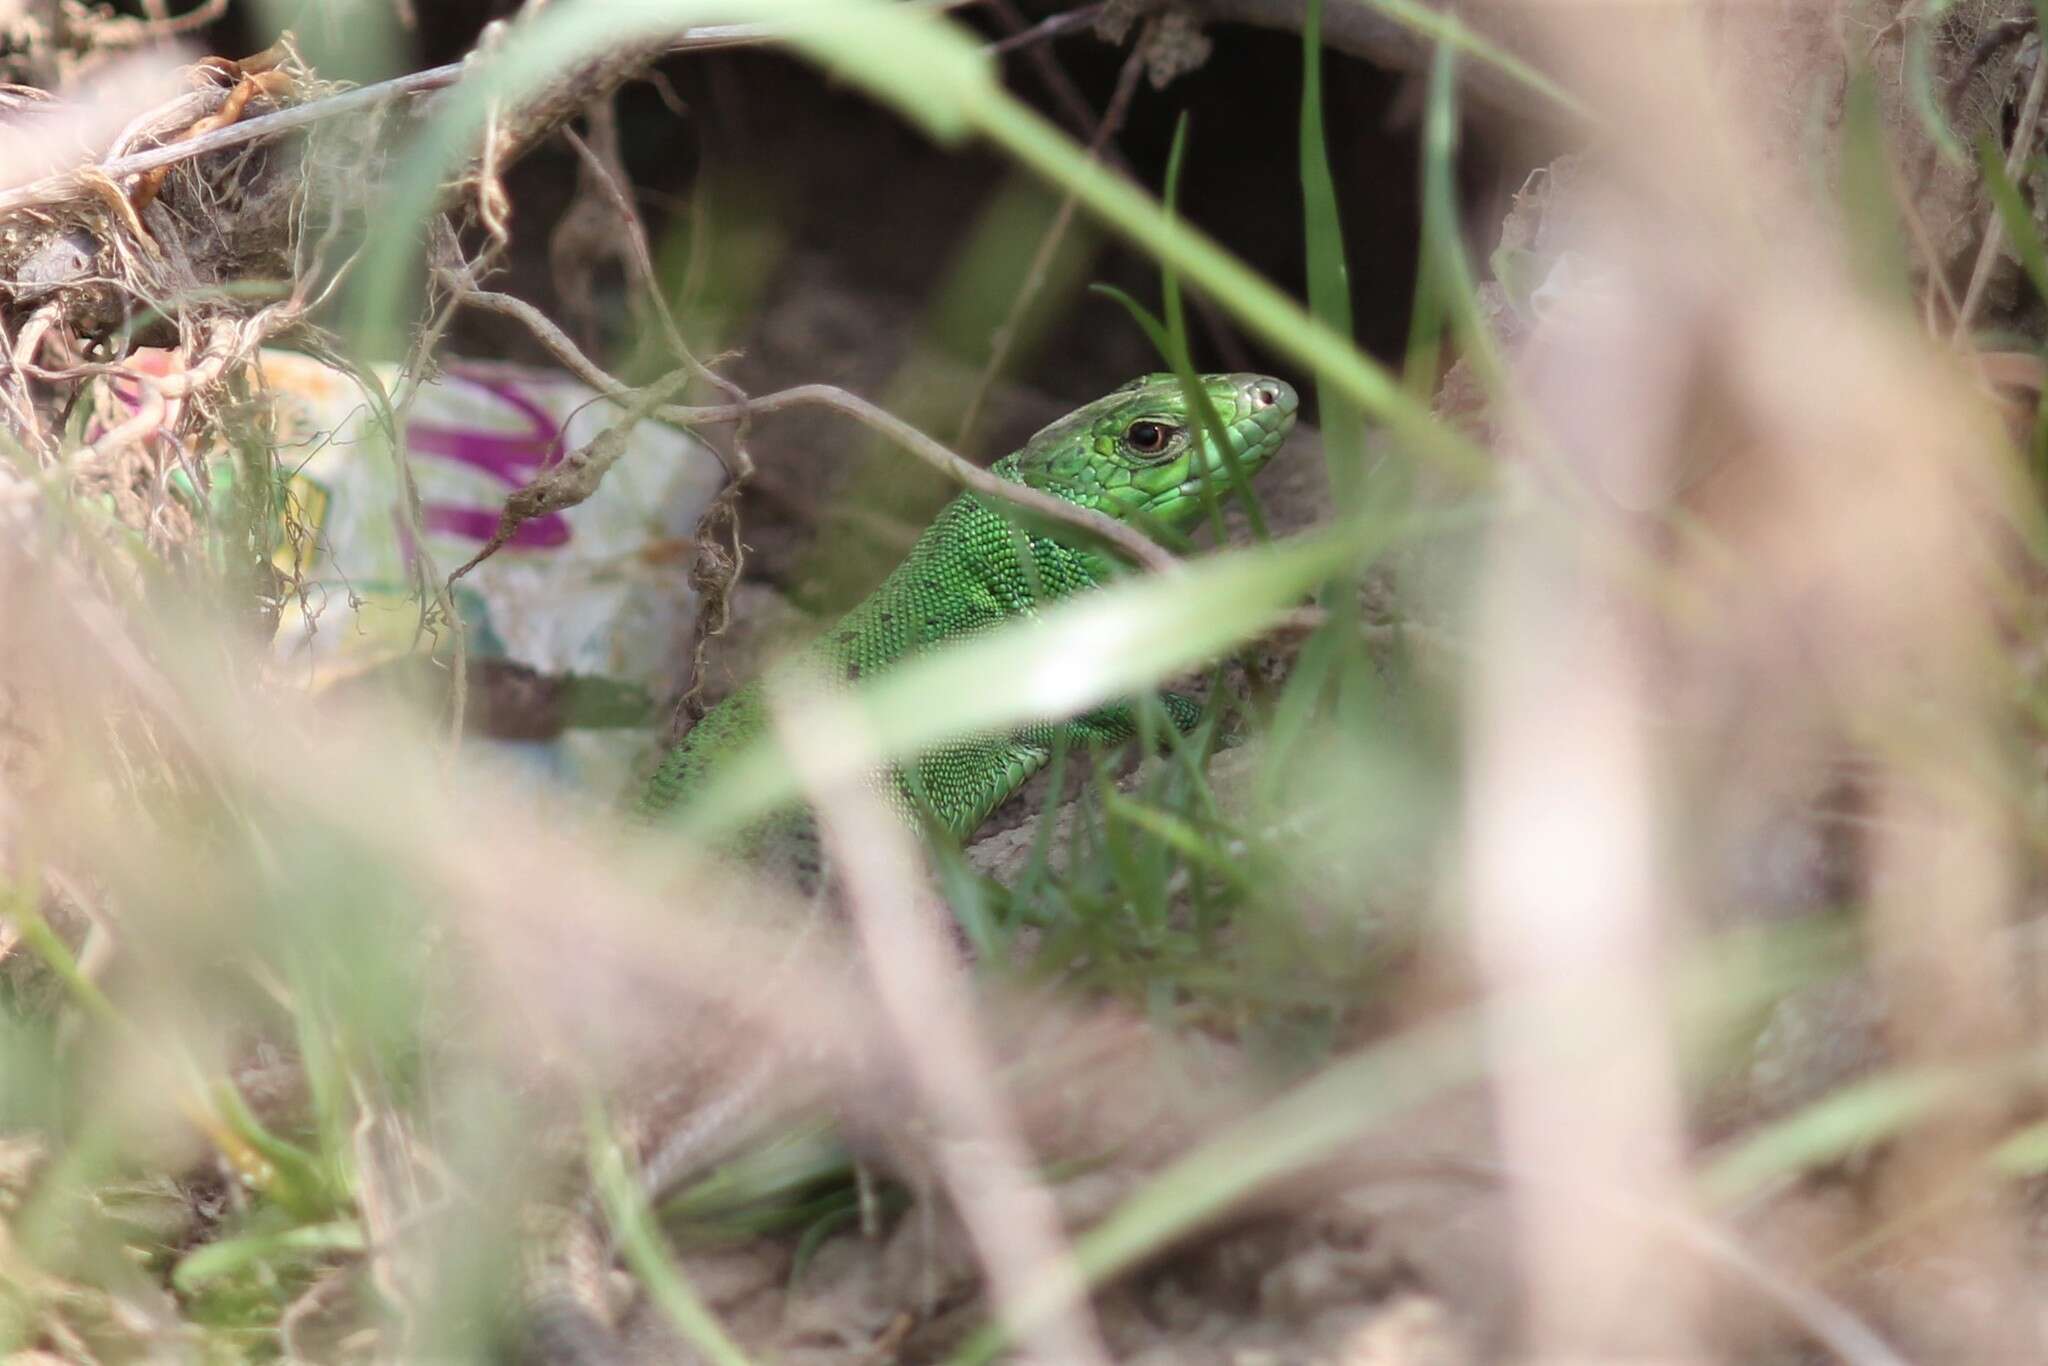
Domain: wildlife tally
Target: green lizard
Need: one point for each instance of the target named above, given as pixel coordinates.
(1133, 455)
(1136, 455)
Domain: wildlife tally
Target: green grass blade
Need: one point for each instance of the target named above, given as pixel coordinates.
(1925, 100)
(640, 1244)
(1260, 307)
(1329, 278)
(2013, 214)
(1862, 1113)
(1196, 846)
(1180, 359)
(1450, 272)
(1877, 245)
(2025, 1154)
(1148, 321)
(1307, 1124)
(1830, 1127)
(1451, 32)
(230, 1255)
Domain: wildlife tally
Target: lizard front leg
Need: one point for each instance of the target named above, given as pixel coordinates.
(962, 784)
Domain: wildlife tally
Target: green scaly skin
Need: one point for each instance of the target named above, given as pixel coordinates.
(1136, 455)
(971, 570)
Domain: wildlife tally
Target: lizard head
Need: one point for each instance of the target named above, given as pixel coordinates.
(1141, 452)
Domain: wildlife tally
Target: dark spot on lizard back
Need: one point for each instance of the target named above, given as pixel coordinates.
(852, 671)
(846, 637)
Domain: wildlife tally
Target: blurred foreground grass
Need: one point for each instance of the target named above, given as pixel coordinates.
(1681, 821)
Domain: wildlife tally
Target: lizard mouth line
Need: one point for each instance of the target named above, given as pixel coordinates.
(1260, 431)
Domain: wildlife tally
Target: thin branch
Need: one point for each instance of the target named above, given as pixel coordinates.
(643, 265)
(1048, 245)
(1081, 116)
(1073, 105)
(67, 183)
(549, 335)
(1134, 544)
(1498, 90)
(1055, 26)
(636, 241)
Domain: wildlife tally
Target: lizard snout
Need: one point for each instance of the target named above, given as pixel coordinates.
(1265, 395)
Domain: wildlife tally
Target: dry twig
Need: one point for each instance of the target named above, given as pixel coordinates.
(1134, 544)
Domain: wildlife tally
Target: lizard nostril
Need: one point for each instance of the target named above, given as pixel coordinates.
(1267, 396)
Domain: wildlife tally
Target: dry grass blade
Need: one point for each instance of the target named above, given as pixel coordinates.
(1569, 888)
(1833, 582)
(923, 994)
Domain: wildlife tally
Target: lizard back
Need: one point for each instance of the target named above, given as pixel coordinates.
(970, 570)
(1138, 452)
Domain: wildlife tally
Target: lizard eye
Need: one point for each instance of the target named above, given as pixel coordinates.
(1148, 438)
